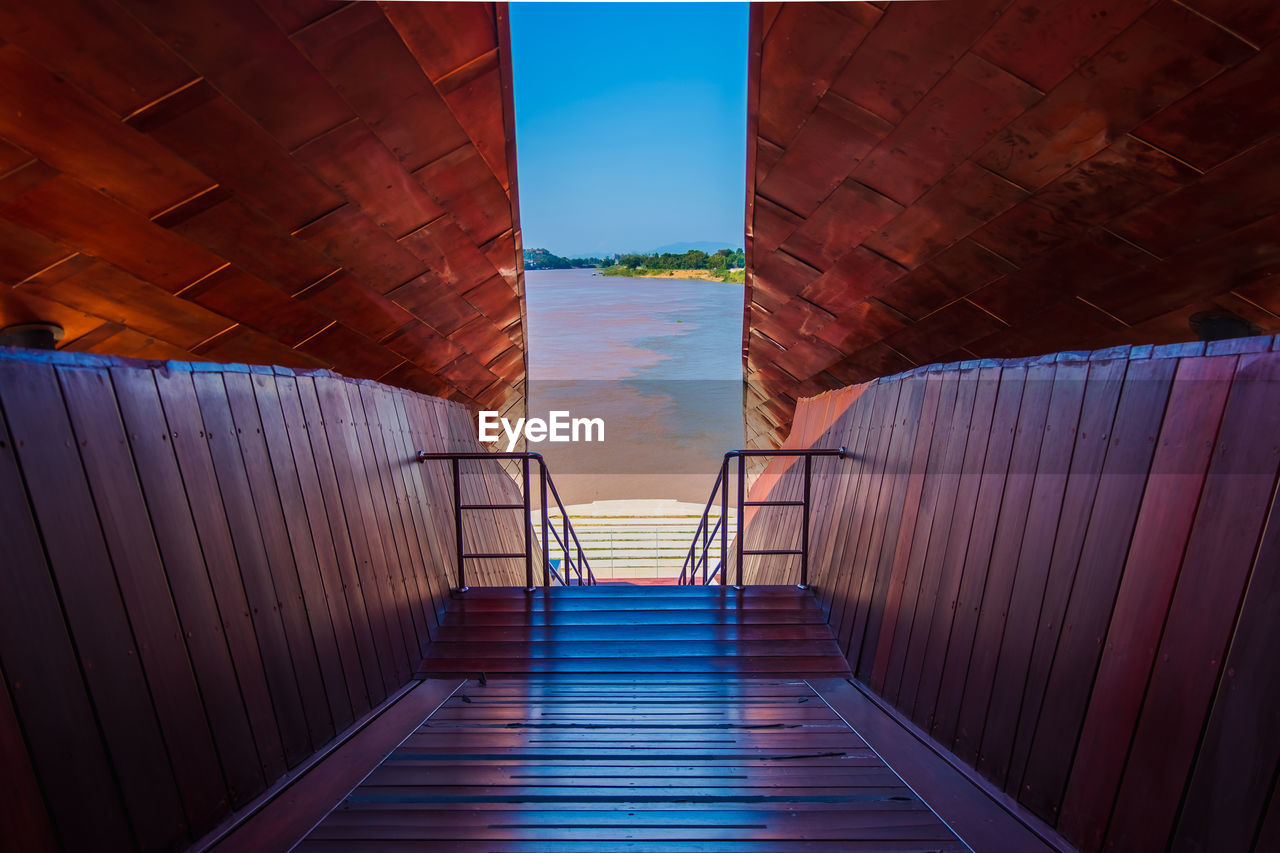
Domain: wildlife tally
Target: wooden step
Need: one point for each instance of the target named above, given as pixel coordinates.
(757, 632)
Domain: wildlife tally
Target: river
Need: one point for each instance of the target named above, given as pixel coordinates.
(659, 360)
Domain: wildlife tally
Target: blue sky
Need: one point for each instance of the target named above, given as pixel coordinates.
(630, 124)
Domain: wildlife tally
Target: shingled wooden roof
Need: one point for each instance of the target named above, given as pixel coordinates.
(934, 182)
(306, 183)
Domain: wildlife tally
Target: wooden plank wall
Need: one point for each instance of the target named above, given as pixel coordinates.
(935, 182)
(311, 183)
(209, 572)
(1065, 569)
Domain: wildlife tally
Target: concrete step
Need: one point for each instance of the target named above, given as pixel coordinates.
(635, 539)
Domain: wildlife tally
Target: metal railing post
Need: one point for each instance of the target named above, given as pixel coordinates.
(724, 519)
(706, 549)
(546, 540)
(528, 528)
(457, 527)
(742, 499)
(804, 528)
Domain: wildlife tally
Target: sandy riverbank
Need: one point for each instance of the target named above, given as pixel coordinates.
(696, 275)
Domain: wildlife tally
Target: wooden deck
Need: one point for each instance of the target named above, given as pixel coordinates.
(635, 719)
(646, 764)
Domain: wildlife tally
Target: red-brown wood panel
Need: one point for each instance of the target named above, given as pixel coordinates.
(1224, 538)
(1122, 482)
(1031, 131)
(1226, 799)
(986, 506)
(67, 211)
(883, 545)
(1044, 509)
(1076, 581)
(968, 477)
(49, 117)
(391, 528)
(867, 548)
(188, 615)
(1155, 553)
(1092, 439)
(285, 569)
(199, 480)
(913, 542)
(24, 821)
(362, 604)
(251, 61)
(144, 587)
(207, 630)
(977, 682)
(267, 605)
(100, 48)
(973, 400)
(872, 667)
(47, 687)
(322, 595)
(81, 568)
(341, 426)
(859, 445)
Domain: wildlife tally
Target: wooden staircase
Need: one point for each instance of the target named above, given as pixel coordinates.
(619, 629)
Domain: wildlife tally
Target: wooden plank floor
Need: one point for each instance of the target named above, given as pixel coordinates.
(601, 764)
(618, 629)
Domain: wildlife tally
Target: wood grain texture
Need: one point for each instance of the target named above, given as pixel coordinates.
(611, 763)
(214, 165)
(186, 618)
(1081, 546)
(995, 151)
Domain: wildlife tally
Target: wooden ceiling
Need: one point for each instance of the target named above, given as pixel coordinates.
(943, 181)
(307, 183)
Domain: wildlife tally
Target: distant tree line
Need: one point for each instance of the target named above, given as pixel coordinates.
(541, 259)
(694, 259)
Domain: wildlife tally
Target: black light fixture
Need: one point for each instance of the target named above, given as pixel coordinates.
(1221, 324)
(31, 335)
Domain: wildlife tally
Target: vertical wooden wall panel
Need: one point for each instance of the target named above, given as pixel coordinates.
(1075, 560)
(210, 572)
(361, 603)
(993, 616)
(871, 527)
(880, 550)
(1240, 754)
(875, 653)
(987, 504)
(1129, 450)
(61, 501)
(266, 605)
(207, 628)
(968, 479)
(1224, 538)
(913, 540)
(302, 548)
(370, 561)
(162, 650)
(1097, 416)
(278, 549)
(46, 684)
(1151, 567)
(24, 819)
(177, 394)
(1044, 510)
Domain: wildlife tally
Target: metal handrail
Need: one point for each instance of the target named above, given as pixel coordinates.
(701, 560)
(569, 545)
